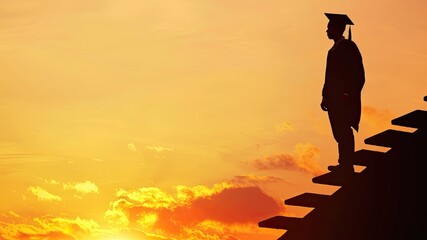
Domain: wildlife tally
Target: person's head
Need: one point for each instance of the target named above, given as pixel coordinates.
(336, 25)
(335, 30)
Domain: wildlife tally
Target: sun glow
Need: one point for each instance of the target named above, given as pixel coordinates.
(119, 238)
(185, 119)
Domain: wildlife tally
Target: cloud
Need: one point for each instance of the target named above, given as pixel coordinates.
(55, 228)
(210, 230)
(13, 214)
(73, 227)
(132, 147)
(232, 206)
(82, 187)
(58, 228)
(150, 197)
(43, 195)
(227, 210)
(192, 212)
(304, 158)
(285, 126)
(254, 180)
(50, 181)
(85, 187)
(376, 118)
(159, 148)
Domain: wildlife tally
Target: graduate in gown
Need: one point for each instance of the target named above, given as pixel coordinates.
(344, 80)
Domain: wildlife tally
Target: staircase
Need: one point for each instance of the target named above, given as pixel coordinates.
(381, 202)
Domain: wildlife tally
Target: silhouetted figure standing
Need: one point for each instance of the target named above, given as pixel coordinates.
(344, 80)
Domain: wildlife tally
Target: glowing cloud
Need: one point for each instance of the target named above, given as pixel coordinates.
(85, 187)
(187, 194)
(43, 195)
(150, 197)
(253, 180)
(51, 181)
(233, 205)
(115, 215)
(54, 228)
(158, 148)
(132, 147)
(222, 211)
(70, 227)
(13, 214)
(376, 118)
(285, 126)
(304, 158)
(82, 187)
(193, 212)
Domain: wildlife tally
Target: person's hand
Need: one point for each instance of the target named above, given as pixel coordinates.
(323, 105)
(345, 96)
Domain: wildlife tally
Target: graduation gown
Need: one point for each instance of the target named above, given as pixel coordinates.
(344, 74)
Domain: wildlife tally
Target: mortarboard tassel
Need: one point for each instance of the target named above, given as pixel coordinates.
(349, 33)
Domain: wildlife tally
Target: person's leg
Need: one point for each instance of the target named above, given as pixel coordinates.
(343, 134)
(345, 139)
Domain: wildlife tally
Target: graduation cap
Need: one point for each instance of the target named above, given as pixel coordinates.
(340, 19)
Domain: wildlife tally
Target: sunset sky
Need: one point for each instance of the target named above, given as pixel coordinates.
(183, 119)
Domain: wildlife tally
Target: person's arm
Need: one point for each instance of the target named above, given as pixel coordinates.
(324, 104)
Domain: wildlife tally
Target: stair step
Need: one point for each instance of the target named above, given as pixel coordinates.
(283, 237)
(366, 157)
(389, 138)
(334, 179)
(280, 222)
(415, 119)
(310, 200)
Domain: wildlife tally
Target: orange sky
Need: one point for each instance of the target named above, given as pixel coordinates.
(185, 119)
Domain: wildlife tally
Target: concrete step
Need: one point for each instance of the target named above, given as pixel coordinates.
(390, 138)
(280, 222)
(335, 179)
(415, 119)
(366, 157)
(310, 200)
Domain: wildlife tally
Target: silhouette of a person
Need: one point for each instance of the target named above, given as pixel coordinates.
(344, 80)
